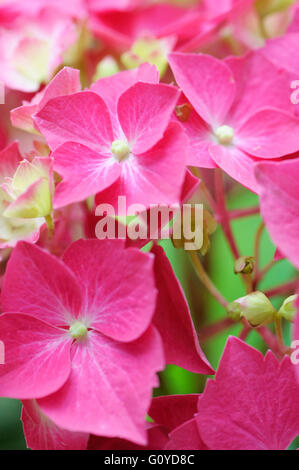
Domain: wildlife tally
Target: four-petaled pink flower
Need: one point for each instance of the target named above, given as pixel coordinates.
(238, 116)
(117, 142)
(78, 336)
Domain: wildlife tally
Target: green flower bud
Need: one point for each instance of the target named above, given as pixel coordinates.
(255, 307)
(288, 309)
(234, 311)
(244, 265)
(105, 68)
(151, 50)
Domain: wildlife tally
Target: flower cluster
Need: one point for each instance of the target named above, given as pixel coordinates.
(163, 104)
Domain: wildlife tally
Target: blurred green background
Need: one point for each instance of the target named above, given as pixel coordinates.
(204, 308)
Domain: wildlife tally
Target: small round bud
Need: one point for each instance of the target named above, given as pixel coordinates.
(225, 135)
(244, 265)
(78, 330)
(255, 307)
(288, 309)
(106, 68)
(120, 149)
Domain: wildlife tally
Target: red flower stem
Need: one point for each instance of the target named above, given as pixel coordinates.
(245, 330)
(222, 213)
(270, 340)
(288, 287)
(239, 213)
(257, 243)
(212, 330)
(205, 191)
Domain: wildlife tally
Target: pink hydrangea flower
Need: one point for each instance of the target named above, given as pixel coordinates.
(278, 188)
(252, 404)
(116, 147)
(239, 115)
(33, 48)
(81, 341)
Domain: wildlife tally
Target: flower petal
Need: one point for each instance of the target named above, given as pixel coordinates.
(269, 133)
(82, 118)
(42, 434)
(37, 357)
(109, 389)
(208, 84)
(84, 171)
(278, 188)
(173, 320)
(118, 286)
(252, 404)
(40, 285)
(144, 112)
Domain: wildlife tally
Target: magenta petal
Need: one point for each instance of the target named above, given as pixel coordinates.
(66, 82)
(283, 52)
(252, 404)
(261, 135)
(111, 88)
(144, 112)
(186, 437)
(207, 82)
(40, 285)
(236, 164)
(191, 184)
(173, 410)
(10, 158)
(200, 139)
(82, 118)
(279, 204)
(42, 434)
(109, 389)
(37, 357)
(173, 320)
(254, 91)
(84, 171)
(156, 440)
(118, 286)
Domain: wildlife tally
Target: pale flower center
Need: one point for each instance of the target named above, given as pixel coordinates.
(78, 330)
(120, 149)
(224, 134)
